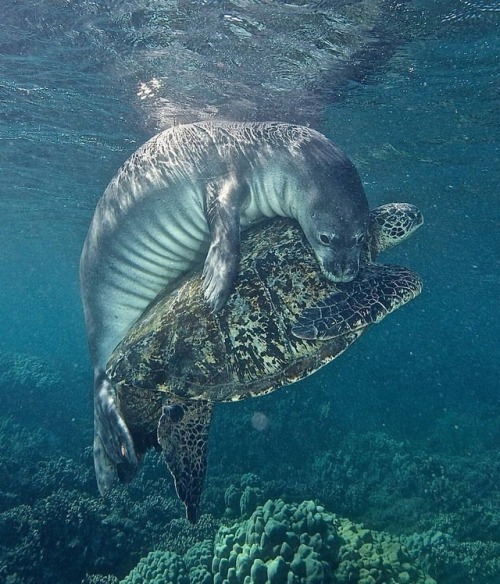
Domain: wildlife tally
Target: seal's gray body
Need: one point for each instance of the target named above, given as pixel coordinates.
(152, 224)
(182, 197)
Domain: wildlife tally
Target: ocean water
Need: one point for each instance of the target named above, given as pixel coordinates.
(402, 433)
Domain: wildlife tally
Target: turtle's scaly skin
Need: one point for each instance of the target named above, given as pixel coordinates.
(181, 355)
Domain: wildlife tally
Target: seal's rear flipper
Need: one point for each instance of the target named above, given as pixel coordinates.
(376, 292)
(182, 434)
(113, 444)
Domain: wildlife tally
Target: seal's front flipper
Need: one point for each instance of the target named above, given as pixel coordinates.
(183, 434)
(114, 451)
(377, 291)
(224, 202)
(220, 271)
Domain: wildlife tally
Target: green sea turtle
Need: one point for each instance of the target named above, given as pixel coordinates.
(284, 321)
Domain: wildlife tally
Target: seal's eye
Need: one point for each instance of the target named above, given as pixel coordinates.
(325, 240)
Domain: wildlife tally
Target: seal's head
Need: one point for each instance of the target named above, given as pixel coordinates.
(335, 222)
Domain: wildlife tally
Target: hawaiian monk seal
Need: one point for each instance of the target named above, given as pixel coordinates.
(182, 198)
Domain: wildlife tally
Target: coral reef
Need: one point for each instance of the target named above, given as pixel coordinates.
(440, 491)
(159, 567)
(242, 499)
(54, 527)
(453, 561)
(39, 395)
(284, 543)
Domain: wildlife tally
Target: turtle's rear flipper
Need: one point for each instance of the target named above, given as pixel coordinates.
(182, 434)
(113, 445)
(377, 291)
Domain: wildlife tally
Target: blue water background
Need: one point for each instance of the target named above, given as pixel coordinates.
(424, 129)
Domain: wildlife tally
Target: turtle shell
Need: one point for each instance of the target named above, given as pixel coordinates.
(181, 348)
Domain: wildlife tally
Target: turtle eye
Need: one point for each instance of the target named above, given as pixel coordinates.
(325, 240)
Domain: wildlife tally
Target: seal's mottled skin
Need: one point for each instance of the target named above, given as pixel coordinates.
(180, 358)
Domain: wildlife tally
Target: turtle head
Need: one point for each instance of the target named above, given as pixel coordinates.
(389, 225)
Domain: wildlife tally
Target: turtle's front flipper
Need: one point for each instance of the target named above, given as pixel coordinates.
(113, 445)
(182, 434)
(377, 291)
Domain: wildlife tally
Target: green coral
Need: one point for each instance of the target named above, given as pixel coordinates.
(370, 557)
(159, 567)
(287, 543)
(298, 543)
(277, 540)
(454, 561)
(198, 561)
(241, 500)
(100, 579)
(27, 372)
